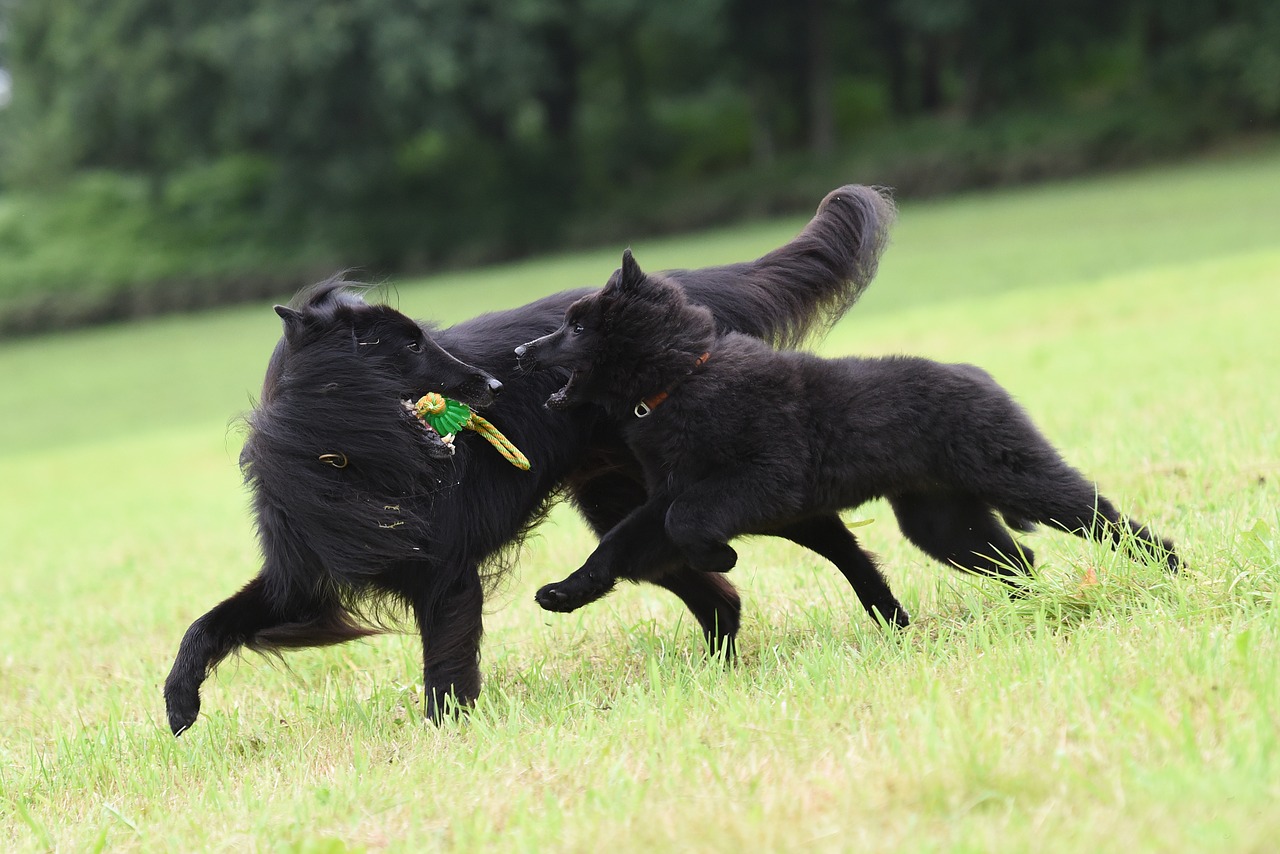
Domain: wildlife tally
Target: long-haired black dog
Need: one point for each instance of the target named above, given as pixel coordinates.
(738, 438)
(359, 506)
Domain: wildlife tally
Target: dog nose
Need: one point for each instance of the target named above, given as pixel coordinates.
(521, 350)
(495, 386)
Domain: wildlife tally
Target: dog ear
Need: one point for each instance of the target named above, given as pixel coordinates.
(631, 275)
(293, 322)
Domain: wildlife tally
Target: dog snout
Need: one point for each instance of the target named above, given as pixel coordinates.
(521, 350)
(495, 386)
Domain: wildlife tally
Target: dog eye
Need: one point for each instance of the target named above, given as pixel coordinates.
(414, 346)
(577, 328)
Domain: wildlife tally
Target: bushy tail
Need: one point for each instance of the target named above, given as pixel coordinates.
(807, 284)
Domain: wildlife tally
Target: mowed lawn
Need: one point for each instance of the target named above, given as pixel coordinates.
(1115, 708)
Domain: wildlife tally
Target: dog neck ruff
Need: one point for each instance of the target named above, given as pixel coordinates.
(447, 416)
(651, 402)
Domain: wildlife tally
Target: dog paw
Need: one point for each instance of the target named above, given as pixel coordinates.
(442, 705)
(723, 647)
(550, 598)
(896, 617)
(571, 594)
(182, 708)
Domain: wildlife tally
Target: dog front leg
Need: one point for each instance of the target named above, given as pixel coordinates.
(261, 622)
(705, 516)
(225, 628)
(636, 548)
(451, 628)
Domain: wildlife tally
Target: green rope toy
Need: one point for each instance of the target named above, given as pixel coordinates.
(447, 416)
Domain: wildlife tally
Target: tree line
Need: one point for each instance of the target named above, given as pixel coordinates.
(408, 132)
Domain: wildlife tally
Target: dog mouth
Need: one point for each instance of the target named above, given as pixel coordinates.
(442, 445)
(560, 399)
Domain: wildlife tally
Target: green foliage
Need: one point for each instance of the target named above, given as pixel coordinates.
(403, 135)
(1220, 58)
(102, 249)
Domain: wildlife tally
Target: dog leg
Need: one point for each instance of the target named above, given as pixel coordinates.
(706, 515)
(961, 531)
(1102, 521)
(636, 548)
(605, 500)
(640, 545)
(250, 619)
(1141, 541)
(1051, 492)
(1074, 506)
(829, 537)
(714, 603)
(451, 626)
(209, 640)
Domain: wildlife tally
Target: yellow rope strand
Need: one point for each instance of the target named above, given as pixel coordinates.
(494, 436)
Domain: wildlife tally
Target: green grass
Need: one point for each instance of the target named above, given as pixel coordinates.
(1134, 316)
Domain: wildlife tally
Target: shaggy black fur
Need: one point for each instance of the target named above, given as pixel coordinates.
(359, 507)
(753, 439)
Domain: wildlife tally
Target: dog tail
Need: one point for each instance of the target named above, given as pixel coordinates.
(807, 284)
(332, 626)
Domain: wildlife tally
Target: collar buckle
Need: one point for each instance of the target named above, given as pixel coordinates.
(644, 407)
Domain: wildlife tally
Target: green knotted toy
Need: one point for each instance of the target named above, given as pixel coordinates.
(447, 416)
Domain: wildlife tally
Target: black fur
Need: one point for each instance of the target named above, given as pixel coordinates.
(359, 507)
(754, 439)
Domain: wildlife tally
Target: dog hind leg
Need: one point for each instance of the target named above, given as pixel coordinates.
(1069, 502)
(961, 531)
(828, 536)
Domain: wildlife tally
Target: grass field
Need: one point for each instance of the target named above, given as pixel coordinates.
(1136, 318)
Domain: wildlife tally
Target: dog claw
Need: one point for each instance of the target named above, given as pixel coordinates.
(182, 715)
(554, 600)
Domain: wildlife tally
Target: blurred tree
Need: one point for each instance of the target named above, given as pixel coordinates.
(1222, 58)
(978, 56)
(406, 132)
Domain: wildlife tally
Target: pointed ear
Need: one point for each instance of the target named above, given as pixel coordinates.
(293, 322)
(631, 272)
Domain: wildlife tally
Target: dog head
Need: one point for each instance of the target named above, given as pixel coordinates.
(625, 341)
(340, 385)
(395, 347)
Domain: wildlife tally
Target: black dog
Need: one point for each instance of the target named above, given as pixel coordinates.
(737, 438)
(360, 507)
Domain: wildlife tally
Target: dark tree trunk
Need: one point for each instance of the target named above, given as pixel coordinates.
(560, 99)
(822, 125)
(764, 140)
(931, 64)
(894, 45)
